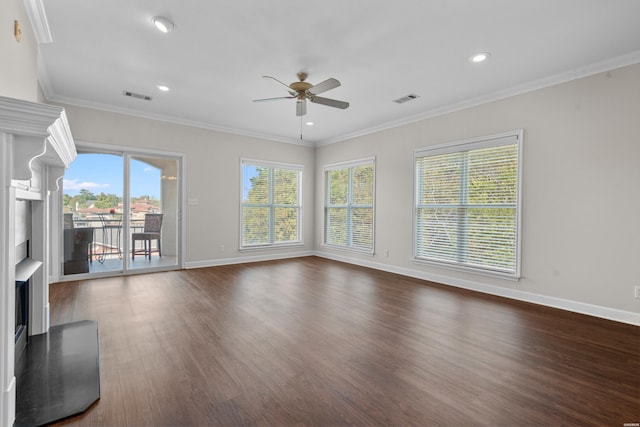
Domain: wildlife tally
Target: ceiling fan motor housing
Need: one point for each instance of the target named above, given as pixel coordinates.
(300, 86)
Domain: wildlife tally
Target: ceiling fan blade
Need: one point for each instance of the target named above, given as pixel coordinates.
(324, 86)
(330, 102)
(301, 107)
(274, 79)
(273, 99)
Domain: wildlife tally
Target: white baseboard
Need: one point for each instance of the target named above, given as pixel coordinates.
(47, 318)
(8, 410)
(247, 259)
(564, 304)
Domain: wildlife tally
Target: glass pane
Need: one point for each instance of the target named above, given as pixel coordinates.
(153, 204)
(285, 187)
(92, 205)
(286, 225)
(491, 237)
(255, 225)
(335, 227)
(437, 234)
(362, 228)
(255, 184)
(363, 185)
(492, 175)
(338, 182)
(439, 179)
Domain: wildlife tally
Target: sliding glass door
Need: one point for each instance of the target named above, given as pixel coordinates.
(121, 213)
(93, 211)
(153, 207)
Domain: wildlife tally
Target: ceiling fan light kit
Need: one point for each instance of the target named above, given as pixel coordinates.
(303, 91)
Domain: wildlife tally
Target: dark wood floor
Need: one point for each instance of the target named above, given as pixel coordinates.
(312, 342)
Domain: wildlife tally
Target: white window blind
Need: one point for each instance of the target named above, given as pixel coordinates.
(467, 204)
(349, 205)
(270, 204)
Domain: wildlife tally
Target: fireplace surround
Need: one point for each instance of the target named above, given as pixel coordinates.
(36, 146)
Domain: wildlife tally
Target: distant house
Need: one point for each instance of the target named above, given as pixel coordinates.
(140, 208)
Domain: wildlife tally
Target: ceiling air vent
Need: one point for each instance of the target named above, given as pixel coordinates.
(136, 95)
(409, 97)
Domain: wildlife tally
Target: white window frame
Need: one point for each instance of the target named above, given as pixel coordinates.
(271, 165)
(350, 165)
(507, 138)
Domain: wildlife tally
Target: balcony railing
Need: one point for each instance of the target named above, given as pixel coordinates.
(108, 239)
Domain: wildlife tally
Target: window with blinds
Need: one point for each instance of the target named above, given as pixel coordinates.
(349, 203)
(467, 204)
(270, 204)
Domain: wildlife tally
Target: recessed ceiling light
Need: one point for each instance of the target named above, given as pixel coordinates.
(163, 88)
(162, 24)
(480, 57)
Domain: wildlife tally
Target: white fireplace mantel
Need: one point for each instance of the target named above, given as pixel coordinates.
(42, 136)
(36, 147)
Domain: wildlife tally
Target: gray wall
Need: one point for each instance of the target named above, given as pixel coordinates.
(212, 176)
(581, 188)
(18, 73)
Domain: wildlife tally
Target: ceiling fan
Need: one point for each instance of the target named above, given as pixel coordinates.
(302, 90)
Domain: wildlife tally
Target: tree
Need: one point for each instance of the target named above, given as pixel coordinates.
(105, 201)
(80, 200)
(85, 195)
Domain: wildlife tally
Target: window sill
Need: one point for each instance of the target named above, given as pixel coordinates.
(270, 246)
(348, 249)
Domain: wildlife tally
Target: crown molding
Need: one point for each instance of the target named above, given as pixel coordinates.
(579, 73)
(52, 97)
(586, 71)
(39, 22)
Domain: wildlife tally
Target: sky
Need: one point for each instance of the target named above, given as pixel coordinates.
(100, 173)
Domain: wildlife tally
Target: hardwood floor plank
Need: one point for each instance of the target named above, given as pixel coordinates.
(313, 342)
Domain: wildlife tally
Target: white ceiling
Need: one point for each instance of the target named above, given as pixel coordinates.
(379, 50)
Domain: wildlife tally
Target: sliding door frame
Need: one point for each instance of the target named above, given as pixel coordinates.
(57, 274)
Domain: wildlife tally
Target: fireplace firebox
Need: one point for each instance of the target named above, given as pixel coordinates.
(22, 317)
(24, 271)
